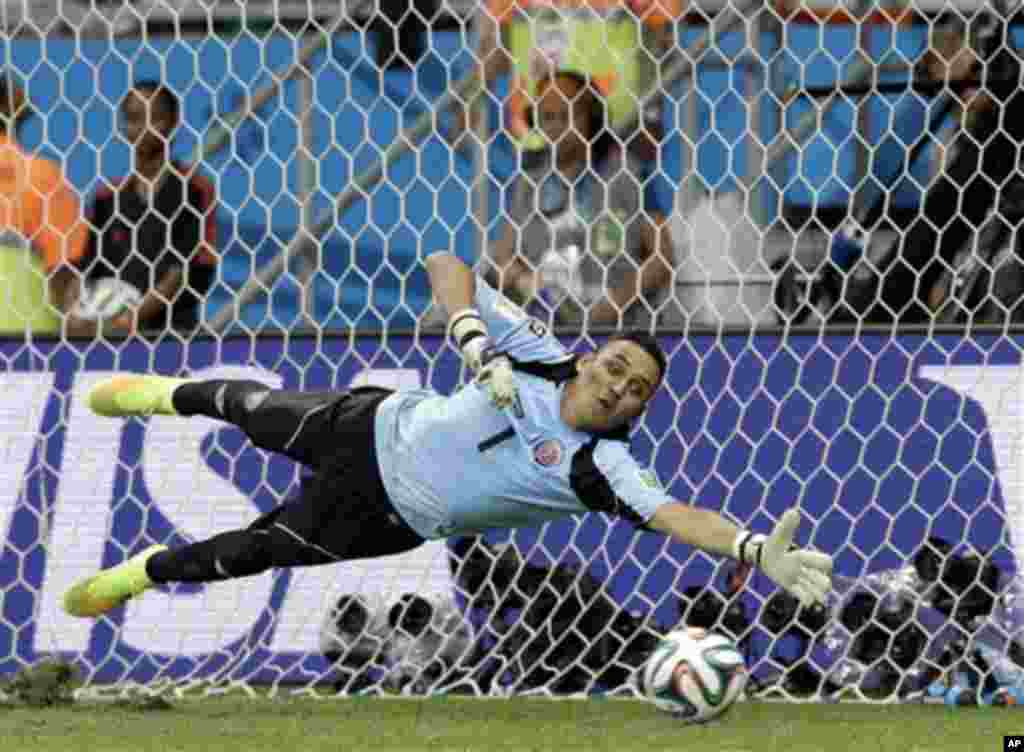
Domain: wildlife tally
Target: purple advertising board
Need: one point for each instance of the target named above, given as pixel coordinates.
(882, 441)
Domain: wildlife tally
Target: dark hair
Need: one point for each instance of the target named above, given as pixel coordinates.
(649, 345)
(164, 93)
(600, 138)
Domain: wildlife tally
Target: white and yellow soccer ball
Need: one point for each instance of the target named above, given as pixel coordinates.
(694, 674)
(106, 298)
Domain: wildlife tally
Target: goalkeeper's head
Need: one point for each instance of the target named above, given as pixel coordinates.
(614, 384)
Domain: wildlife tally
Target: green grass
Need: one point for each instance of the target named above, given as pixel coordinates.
(368, 724)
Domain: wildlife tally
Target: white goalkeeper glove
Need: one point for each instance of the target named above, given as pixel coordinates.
(492, 369)
(802, 573)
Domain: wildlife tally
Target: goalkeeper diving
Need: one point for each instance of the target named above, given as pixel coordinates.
(540, 434)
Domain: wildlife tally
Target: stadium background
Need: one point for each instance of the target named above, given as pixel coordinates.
(424, 202)
(885, 427)
(831, 431)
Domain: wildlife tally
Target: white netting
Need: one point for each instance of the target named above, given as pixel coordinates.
(762, 166)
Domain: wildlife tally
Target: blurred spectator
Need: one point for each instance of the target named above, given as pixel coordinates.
(619, 42)
(584, 242)
(586, 239)
(41, 229)
(155, 230)
(977, 168)
(958, 260)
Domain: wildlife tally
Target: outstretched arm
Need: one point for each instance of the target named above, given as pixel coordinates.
(452, 282)
(702, 528)
(805, 574)
(454, 285)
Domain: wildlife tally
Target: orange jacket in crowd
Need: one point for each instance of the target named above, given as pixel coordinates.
(37, 203)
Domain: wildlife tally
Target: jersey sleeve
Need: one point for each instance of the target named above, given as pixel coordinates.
(637, 490)
(513, 331)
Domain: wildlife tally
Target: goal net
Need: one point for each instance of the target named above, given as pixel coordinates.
(821, 206)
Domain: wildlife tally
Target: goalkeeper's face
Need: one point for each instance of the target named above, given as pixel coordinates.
(612, 387)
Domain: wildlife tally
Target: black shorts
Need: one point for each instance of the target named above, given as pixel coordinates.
(341, 511)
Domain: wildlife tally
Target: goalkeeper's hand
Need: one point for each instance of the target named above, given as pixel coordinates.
(802, 573)
(493, 370)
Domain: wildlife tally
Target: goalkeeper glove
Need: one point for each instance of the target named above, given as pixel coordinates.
(492, 369)
(802, 573)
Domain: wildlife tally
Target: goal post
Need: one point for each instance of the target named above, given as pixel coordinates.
(901, 444)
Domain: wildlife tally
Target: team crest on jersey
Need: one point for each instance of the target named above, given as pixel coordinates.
(548, 452)
(649, 479)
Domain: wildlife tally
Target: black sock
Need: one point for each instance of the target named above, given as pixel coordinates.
(238, 553)
(198, 398)
(217, 398)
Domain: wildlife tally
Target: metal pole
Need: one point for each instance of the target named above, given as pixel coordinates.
(929, 87)
(691, 190)
(307, 178)
(768, 194)
(361, 185)
(862, 157)
(860, 73)
(478, 114)
(221, 134)
(465, 90)
(755, 83)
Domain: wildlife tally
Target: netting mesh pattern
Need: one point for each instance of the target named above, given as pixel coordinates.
(761, 167)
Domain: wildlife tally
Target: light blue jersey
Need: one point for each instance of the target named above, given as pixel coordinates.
(457, 465)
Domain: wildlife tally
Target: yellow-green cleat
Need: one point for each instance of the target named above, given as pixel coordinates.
(130, 394)
(96, 595)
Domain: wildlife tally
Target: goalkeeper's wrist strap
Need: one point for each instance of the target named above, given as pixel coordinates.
(747, 548)
(466, 326)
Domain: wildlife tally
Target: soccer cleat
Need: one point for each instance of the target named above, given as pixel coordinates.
(134, 394)
(96, 595)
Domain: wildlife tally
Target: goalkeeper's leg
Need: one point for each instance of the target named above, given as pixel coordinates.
(301, 425)
(338, 516)
(342, 511)
(236, 553)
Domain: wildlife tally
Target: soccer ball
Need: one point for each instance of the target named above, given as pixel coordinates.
(694, 674)
(106, 298)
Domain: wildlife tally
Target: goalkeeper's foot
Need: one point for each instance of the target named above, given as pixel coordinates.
(96, 595)
(130, 394)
